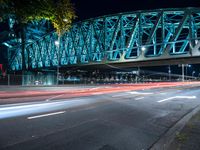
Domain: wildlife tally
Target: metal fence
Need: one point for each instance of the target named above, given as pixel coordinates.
(27, 80)
(50, 78)
(11, 80)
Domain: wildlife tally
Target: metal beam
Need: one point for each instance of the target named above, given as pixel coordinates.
(119, 39)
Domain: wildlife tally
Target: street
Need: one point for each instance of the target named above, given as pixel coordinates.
(96, 120)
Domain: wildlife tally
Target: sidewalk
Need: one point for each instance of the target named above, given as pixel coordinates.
(189, 137)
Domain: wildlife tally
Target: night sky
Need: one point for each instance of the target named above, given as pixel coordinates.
(93, 8)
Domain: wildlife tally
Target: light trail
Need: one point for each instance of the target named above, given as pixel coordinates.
(140, 93)
(42, 107)
(97, 93)
(54, 97)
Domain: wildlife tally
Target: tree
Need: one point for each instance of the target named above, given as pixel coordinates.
(59, 12)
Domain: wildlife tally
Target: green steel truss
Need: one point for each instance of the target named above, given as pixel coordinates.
(125, 37)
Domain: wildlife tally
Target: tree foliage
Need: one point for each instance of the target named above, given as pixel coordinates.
(59, 12)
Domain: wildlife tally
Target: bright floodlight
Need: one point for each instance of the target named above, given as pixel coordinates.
(57, 43)
(143, 48)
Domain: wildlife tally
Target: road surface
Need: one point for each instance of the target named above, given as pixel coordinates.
(124, 120)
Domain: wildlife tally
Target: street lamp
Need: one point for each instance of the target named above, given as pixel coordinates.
(169, 71)
(143, 48)
(57, 43)
(193, 73)
(186, 67)
(65, 20)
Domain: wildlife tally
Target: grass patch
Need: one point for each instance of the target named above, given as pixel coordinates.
(181, 137)
(190, 125)
(197, 117)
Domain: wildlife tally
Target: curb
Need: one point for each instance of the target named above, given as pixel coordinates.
(164, 142)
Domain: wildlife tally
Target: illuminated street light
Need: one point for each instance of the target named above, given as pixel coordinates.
(143, 48)
(57, 43)
(65, 20)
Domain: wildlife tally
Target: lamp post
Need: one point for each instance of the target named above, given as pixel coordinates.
(143, 48)
(169, 71)
(187, 66)
(183, 76)
(57, 43)
(193, 73)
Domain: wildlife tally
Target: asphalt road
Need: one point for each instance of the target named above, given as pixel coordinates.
(131, 120)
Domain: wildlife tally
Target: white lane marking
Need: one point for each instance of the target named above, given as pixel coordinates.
(163, 93)
(54, 97)
(177, 97)
(119, 95)
(45, 115)
(139, 98)
(139, 93)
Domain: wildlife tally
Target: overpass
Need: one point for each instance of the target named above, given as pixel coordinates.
(153, 37)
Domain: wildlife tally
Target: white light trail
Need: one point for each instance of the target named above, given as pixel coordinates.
(139, 93)
(40, 107)
(54, 97)
(98, 93)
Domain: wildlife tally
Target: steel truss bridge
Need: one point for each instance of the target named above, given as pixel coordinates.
(125, 37)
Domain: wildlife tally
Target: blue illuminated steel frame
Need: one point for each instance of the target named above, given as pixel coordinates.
(124, 37)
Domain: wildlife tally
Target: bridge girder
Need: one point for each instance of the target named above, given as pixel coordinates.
(126, 37)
